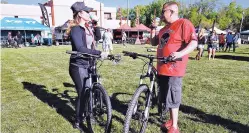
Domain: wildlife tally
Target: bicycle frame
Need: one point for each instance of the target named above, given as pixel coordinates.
(93, 79)
(151, 73)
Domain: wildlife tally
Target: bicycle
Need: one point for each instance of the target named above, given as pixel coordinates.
(146, 96)
(98, 107)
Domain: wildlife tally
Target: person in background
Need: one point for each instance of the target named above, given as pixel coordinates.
(32, 38)
(124, 37)
(11, 41)
(19, 39)
(108, 41)
(235, 40)
(201, 43)
(213, 41)
(96, 29)
(78, 67)
(10, 38)
(37, 39)
(229, 41)
(49, 39)
(221, 41)
(41, 39)
(104, 46)
(176, 40)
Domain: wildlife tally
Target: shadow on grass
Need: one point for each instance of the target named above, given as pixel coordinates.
(122, 106)
(68, 85)
(118, 105)
(54, 100)
(242, 53)
(191, 58)
(214, 119)
(232, 57)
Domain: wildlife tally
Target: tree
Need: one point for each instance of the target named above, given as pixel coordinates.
(230, 17)
(4, 2)
(157, 6)
(201, 13)
(142, 13)
(245, 25)
(205, 10)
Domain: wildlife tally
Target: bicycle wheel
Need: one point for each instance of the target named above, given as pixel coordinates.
(100, 118)
(136, 117)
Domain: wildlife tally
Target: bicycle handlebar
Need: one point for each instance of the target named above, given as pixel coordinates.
(82, 54)
(115, 58)
(151, 57)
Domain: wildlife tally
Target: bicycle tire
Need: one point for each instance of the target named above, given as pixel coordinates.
(104, 97)
(133, 103)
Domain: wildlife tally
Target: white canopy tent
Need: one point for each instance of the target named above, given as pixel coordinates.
(218, 31)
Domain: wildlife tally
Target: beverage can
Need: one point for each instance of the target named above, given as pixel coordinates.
(157, 19)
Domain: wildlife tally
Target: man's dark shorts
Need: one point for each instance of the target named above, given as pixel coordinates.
(171, 87)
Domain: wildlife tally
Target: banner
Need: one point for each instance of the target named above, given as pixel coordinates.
(44, 14)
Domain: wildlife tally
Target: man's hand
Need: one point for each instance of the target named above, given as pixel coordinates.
(176, 55)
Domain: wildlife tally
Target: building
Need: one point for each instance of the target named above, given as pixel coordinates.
(62, 12)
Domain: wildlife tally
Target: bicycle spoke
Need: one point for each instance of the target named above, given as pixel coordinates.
(138, 117)
(100, 118)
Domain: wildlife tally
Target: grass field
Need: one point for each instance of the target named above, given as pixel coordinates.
(37, 92)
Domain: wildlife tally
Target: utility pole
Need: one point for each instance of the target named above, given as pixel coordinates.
(128, 16)
(52, 13)
(100, 10)
(241, 23)
(128, 12)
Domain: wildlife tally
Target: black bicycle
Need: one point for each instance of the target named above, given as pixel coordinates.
(146, 96)
(98, 109)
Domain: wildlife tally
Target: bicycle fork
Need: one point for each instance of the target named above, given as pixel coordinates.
(90, 96)
(148, 102)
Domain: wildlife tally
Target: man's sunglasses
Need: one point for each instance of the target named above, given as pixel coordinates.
(163, 11)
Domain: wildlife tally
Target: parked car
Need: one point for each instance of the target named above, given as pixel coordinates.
(244, 39)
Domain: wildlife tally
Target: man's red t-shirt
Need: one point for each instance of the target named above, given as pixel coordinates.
(174, 38)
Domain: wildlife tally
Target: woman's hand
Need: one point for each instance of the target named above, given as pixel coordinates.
(104, 55)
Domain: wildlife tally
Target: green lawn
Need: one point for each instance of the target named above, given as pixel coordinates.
(37, 92)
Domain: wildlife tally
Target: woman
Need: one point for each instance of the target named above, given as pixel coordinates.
(221, 42)
(201, 43)
(213, 41)
(10, 39)
(124, 37)
(108, 41)
(78, 68)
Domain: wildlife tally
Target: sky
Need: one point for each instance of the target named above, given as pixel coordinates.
(123, 3)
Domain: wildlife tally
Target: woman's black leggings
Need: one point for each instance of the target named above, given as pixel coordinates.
(79, 76)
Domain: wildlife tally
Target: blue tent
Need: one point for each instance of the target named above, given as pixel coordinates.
(9, 23)
(245, 32)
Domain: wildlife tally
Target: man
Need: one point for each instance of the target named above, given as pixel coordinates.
(177, 39)
(229, 41)
(50, 39)
(19, 39)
